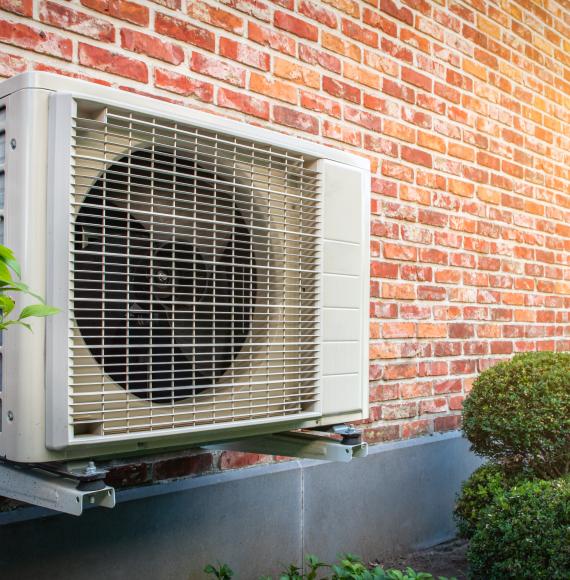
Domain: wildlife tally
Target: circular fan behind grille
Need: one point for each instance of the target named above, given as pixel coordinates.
(162, 311)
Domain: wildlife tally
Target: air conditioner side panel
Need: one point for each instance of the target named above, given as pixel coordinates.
(345, 312)
(23, 422)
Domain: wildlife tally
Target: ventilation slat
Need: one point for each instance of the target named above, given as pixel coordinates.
(194, 277)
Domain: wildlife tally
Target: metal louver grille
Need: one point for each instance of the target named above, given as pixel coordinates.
(195, 260)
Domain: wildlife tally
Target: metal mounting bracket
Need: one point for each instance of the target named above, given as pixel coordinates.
(301, 444)
(56, 487)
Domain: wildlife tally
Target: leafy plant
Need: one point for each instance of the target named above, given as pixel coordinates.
(518, 413)
(222, 572)
(477, 493)
(9, 268)
(524, 534)
(349, 567)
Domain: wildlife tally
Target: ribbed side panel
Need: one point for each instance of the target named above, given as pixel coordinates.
(194, 276)
(2, 191)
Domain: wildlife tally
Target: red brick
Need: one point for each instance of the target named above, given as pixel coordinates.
(214, 16)
(398, 90)
(244, 54)
(78, 22)
(416, 79)
(359, 33)
(394, 411)
(11, 65)
(415, 40)
(374, 18)
(110, 62)
(417, 428)
(341, 90)
(154, 47)
(391, 7)
(433, 406)
(184, 31)
(182, 466)
(273, 88)
(29, 38)
(183, 85)
(215, 67)
(122, 9)
(447, 423)
(271, 38)
(172, 4)
(239, 460)
(243, 103)
(380, 145)
(416, 156)
(296, 26)
(381, 433)
(296, 119)
(342, 133)
(256, 8)
(21, 7)
(128, 475)
(315, 11)
(320, 104)
(396, 50)
(397, 171)
(319, 58)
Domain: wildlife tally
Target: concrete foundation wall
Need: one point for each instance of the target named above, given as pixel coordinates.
(398, 499)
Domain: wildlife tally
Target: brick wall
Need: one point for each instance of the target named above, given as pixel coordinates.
(462, 107)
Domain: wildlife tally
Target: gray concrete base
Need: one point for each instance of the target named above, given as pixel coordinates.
(258, 520)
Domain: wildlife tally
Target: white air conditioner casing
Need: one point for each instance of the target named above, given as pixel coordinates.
(212, 275)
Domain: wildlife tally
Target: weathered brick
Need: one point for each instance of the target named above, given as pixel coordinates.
(395, 9)
(244, 54)
(184, 31)
(271, 38)
(154, 47)
(244, 103)
(111, 62)
(215, 16)
(122, 9)
(317, 12)
(11, 65)
(214, 67)
(296, 26)
(75, 21)
(183, 85)
(36, 40)
(296, 119)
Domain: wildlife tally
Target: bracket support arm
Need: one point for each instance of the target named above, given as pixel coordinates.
(297, 444)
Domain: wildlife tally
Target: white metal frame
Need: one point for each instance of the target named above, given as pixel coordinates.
(39, 431)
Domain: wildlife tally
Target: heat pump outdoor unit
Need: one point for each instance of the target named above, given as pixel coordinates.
(212, 275)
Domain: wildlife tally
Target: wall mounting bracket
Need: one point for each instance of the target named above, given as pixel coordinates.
(302, 444)
(67, 488)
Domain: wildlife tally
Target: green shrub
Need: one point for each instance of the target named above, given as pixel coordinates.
(478, 493)
(524, 534)
(518, 413)
(349, 567)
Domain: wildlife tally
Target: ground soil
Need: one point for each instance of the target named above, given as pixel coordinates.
(447, 560)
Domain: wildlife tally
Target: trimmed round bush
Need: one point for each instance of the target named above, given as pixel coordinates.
(477, 493)
(524, 534)
(518, 413)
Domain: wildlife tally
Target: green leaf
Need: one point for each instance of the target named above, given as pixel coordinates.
(5, 272)
(8, 258)
(6, 304)
(38, 310)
